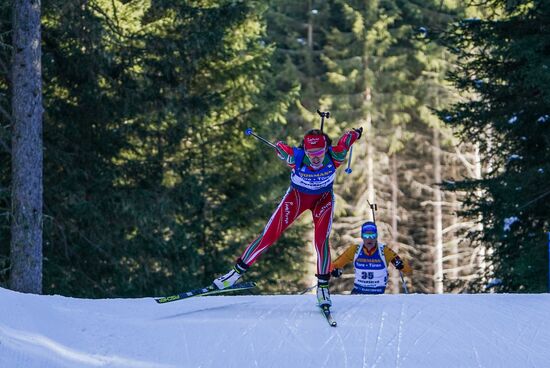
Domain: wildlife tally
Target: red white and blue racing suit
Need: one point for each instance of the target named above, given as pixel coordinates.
(309, 190)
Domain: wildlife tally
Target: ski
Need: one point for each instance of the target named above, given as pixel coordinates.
(328, 315)
(209, 290)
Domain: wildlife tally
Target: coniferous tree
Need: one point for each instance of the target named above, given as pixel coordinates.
(157, 106)
(503, 62)
(298, 32)
(390, 65)
(148, 176)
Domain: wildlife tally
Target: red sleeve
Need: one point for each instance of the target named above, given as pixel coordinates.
(286, 153)
(340, 151)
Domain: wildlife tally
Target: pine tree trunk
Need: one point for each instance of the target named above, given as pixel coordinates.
(26, 224)
(481, 261)
(455, 234)
(438, 215)
(370, 149)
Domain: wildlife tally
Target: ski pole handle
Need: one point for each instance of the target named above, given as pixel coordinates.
(404, 283)
(323, 115)
(249, 131)
(348, 169)
(373, 208)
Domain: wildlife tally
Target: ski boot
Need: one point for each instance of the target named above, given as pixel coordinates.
(230, 278)
(323, 295)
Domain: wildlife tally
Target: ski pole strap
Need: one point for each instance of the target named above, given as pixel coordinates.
(249, 131)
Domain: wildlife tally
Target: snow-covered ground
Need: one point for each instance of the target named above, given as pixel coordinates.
(485, 330)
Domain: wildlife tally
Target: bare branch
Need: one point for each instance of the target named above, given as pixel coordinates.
(433, 203)
(457, 226)
(469, 166)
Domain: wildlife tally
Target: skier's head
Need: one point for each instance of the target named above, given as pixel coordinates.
(315, 145)
(369, 233)
(312, 136)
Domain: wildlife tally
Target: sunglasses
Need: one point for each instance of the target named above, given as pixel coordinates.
(368, 235)
(316, 153)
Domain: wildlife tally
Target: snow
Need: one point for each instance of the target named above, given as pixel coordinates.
(514, 157)
(493, 283)
(513, 120)
(509, 221)
(415, 330)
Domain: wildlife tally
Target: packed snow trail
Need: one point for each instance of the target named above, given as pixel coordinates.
(483, 330)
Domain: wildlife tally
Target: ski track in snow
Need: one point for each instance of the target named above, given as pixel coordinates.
(293, 328)
(339, 344)
(365, 346)
(399, 336)
(55, 353)
(405, 331)
(476, 355)
(379, 337)
(496, 340)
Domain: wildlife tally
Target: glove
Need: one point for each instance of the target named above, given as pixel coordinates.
(360, 131)
(337, 272)
(398, 263)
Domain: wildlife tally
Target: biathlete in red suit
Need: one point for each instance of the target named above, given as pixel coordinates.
(313, 165)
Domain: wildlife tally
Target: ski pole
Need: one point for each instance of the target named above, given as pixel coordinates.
(249, 131)
(308, 289)
(348, 169)
(404, 283)
(323, 115)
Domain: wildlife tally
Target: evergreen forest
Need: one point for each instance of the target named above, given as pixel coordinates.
(150, 185)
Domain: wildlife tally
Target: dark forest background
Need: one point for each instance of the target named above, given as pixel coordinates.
(150, 185)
